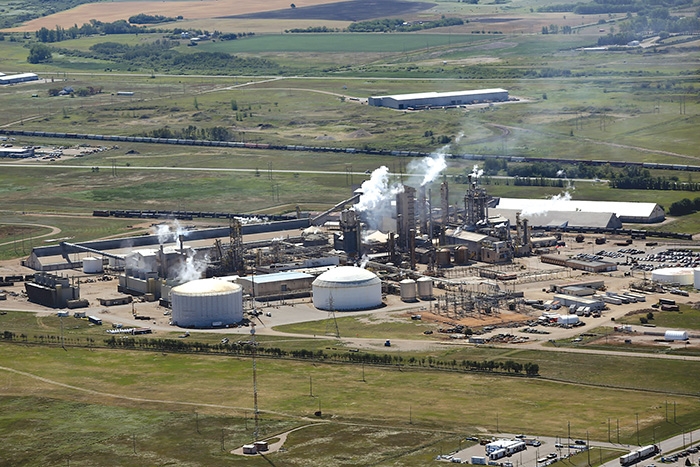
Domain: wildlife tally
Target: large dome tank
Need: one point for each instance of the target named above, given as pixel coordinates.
(681, 276)
(347, 288)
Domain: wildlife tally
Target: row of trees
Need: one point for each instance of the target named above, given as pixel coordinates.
(246, 348)
(94, 27)
(399, 25)
(160, 55)
(143, 18)
(217, 133)
(684, 207)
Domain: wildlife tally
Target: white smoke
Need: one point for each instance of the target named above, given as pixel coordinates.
(561, 173)
(190, 269)
(170, 233)
(431, 166)
(476, 172)
(363, 261)
(551, 204)
(377, 194)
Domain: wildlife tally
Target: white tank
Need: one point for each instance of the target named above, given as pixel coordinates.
(206, 303)
(347, 288)
(681, 276)
(425, 288)
(696, 278)
(408, 290)
(92, 265)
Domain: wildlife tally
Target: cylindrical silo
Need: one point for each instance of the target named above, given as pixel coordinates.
(92, 265)
(408, 290)
(206, 303)
(347, 288)
(425, 288)
(461, 255)
(681, 276)
(696, 278)
(443, 257)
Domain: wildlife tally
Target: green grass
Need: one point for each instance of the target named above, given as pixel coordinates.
(686, 319)
(370, 326)
(340, 43)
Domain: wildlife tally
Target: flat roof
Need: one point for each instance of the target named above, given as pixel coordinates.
(433, 94)
(277, 276)
(529, 206)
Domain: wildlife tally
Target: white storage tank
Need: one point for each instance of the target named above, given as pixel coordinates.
(206, 303)
(676, 336)
(347, 288)
(681, 276)
(408, 290)
(425, 288)
(696, 278)
(92, 265)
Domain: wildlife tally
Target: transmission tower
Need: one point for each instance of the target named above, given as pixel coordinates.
(332, 321)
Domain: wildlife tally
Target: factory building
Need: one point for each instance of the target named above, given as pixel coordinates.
(19, 78)
(439, 99)
(206, 303)
(51, 290)
(347, 288)
(277, 285)
(564, 219)
(595, 266)
(631, 212)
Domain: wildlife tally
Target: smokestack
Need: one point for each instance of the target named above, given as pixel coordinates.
(526, 232)
(421, 210)
(445, 202)
(181, 238)
(412, 248)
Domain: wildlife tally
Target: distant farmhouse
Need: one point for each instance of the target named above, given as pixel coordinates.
(424, 100)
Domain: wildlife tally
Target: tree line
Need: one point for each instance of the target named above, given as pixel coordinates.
(399, 25)
(246, 348)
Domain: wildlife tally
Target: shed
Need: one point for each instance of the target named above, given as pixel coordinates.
(676, 335)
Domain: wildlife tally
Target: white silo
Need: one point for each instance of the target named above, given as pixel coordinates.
(205, 303)
(681, 276)
(425, 288)
(408, 290)
(347, 288)
(696, 278)
(92, 265)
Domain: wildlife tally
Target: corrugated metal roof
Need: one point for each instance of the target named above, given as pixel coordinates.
(563, 218)
(278, 276)
(535, 206)
(433, 94)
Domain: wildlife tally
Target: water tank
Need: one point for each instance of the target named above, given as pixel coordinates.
(408, 290)
(425, 288)
(443, 257)
(676, 336)
(347, 288)
(681, 276)
(696, 278)
(202, 303)
(461, 255)
(92, 265)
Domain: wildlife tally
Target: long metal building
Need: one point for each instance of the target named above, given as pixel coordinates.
(439, 99)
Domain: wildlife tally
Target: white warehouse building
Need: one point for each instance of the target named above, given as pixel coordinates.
(347, 288)
(439, 99)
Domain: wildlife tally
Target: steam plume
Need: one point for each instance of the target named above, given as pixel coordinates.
(377, 194)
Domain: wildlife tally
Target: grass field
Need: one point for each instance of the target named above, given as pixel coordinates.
(688, 318)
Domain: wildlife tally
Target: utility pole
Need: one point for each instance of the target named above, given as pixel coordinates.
(637, 417)
(311, 387)
(256, 430)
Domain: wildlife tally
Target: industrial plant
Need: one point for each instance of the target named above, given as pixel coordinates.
(388, 238)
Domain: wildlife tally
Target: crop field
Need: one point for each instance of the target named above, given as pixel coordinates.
(113, 11)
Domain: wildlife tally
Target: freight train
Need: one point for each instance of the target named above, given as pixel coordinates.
(380, 152)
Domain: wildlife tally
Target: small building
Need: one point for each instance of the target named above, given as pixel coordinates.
(19, 78)
(277, 285)
(424, 100)
(591, 303)
(595, 266)
(676, 335)
(249, 449)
